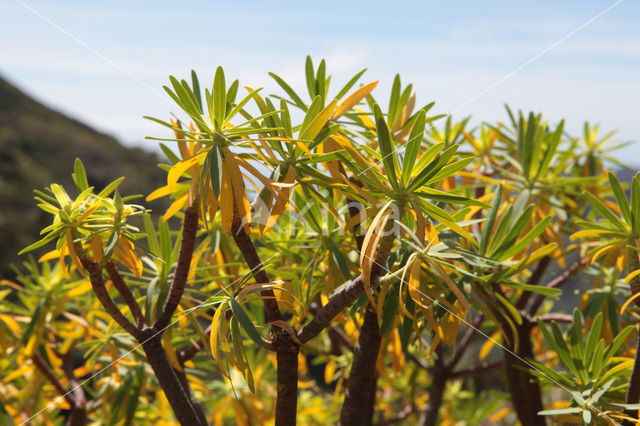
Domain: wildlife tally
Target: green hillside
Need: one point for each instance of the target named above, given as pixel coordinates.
(37, 147)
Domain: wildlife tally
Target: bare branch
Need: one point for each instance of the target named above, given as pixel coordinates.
(181, 272)
(97, 282)
(125, 292)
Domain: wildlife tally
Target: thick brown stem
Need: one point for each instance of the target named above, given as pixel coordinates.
(97, 282)
(75, 397)
(286, 349)
(525, 390)
(250, 254)
(359, 399)
(287, 377)
(78, 415)
(181, 272)
(52, 378)
(633, 390)
(125, 292)
(440, 375)
(169, 382)
(336, 304)
(182, 377)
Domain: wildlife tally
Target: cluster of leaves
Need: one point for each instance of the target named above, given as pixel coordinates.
(446, 227)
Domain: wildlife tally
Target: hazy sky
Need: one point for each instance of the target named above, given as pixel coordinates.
(110, 71)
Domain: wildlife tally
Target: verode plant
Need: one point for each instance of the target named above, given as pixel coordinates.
(365, 264)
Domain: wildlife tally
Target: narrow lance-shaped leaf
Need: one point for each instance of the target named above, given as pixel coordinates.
(389, 158)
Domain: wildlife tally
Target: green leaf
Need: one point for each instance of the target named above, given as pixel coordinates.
(79, 175)
(232, 92)
(593, 337)
(196, 88)
(242, 103)
(389, 158)
(215, 170)
(244, 321)
(312, 113)
(413, 146)
(285, 119)
(430, 170)
(34, 320)
(321, 83)
(560, 411)
(219, 93)
(350, 84)
(635, 204)
(621, 198)
(110, 188)
(389, 310)
(394, 100)
(292, 94)
(601, 208)
(527, 239)
(310, 78)
(40, 243)
(543, 290)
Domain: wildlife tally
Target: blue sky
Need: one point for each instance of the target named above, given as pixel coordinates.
(455, 53)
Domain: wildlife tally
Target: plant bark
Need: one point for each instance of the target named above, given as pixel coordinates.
(439, 376)
(359, 400)
(286, 349)
(633, 391)
(182, 406)
(187, 245)
(526, 395)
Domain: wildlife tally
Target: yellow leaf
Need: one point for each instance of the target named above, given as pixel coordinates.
(355, 97)
(226, 199)
(265, 181)
(500, 414)
(11, 323)
(180, 168)
(239, 190)
(603, 251)
(53, 254)
(282, 199)
(72, 251)
(452, 286)
(175, 207)
(372, 239)
(588, 233)
(318, 123)
(81, 289)
(303, 369)
(96, 248)
(213, 338)
(486, 347)
(629, 300)
(160, 192)
(329, 370)
(631, 276)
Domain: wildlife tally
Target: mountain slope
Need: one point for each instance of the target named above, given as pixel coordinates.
(37, 147)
